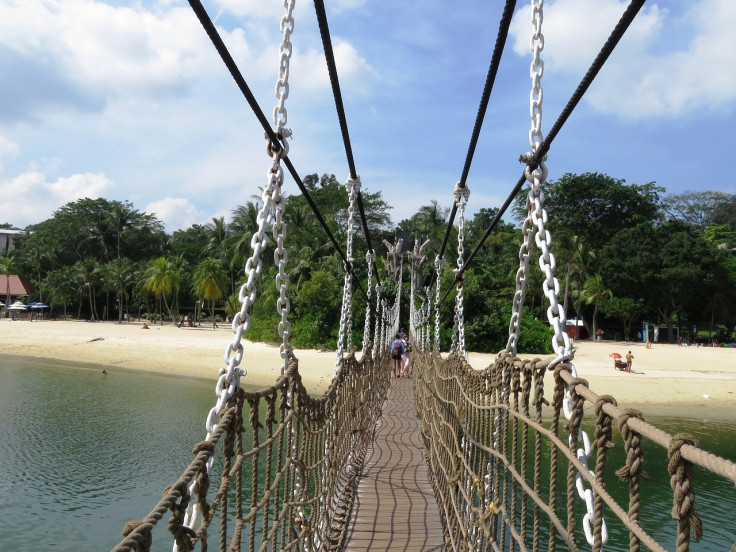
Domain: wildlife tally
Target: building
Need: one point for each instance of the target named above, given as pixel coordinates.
(13, 287)
(8, 237)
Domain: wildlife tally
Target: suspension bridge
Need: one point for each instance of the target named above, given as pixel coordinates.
(452, 458)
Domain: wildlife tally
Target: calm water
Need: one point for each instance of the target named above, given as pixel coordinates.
(83, 453)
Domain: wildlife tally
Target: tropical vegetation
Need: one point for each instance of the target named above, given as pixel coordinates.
(625, 253)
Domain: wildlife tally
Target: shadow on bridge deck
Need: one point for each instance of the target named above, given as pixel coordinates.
(395, 508)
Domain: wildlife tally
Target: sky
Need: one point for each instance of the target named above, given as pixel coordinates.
(130, 101)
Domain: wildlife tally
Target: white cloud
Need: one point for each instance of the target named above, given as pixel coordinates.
(309, 69)
(663, 67)
(175, 212)
(7, 149)
(116, 52)
(29, 198)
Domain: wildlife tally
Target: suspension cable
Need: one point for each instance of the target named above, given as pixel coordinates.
(503, 31)
(532, 162)
(324, 31)
(275, 140)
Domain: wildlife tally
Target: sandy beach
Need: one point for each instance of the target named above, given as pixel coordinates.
(667, 379)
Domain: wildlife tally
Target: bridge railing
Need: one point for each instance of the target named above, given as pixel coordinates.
(284, 470)
(508, 461)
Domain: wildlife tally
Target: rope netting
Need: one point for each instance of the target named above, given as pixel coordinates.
(258, 503)
(506, 467)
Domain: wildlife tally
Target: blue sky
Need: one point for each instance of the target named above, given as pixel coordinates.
(130, 101)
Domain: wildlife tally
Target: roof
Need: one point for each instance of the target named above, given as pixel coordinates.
(18, 285)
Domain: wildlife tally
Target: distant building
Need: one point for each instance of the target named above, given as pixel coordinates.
(8, 237)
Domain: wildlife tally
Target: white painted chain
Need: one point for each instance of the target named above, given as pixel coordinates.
(427, 318)
(379, 320)
(461, 195)
(280, 257)
(439, 266)
(345, 335)
(522, 277)
(370, 256)
(551, 286)
(285, 51)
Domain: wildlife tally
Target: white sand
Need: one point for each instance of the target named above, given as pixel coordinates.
(684, 381)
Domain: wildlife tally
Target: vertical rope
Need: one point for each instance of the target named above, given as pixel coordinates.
(681, 480)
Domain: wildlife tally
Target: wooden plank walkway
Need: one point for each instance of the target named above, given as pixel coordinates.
(394, 507)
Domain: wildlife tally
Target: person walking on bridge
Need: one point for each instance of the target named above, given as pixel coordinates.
(397, 351)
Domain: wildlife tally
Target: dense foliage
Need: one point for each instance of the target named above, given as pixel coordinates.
(624, 254)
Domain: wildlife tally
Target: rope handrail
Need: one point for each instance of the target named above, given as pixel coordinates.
(495, 496)
(256, 499)
(337, 94)
(275, 140)
(532, 162)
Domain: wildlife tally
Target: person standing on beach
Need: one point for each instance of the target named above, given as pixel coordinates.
(629, 359)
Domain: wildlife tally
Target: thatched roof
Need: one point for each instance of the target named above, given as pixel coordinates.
(18, 285)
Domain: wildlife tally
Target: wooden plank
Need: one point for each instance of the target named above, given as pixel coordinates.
(394, 507)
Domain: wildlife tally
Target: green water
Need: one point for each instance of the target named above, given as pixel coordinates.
(82, 454)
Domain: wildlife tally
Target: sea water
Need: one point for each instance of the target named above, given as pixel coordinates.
(83, 453)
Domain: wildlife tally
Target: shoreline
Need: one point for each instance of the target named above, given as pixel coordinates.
(669, 380)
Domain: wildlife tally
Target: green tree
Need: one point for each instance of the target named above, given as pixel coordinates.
(595, 293)
(119, 276)
(595, 206)
(626, 310)
(91, 275)
(210, 283)
(671, 266)
(162, 279)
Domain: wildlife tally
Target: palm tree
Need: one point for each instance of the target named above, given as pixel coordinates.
(119, 277)
(91, 277)
(162, 279)
(210, 283)
(595, 293)
(121, 217)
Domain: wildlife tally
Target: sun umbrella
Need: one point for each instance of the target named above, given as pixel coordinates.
(614, 355)
(38, 306)
(17, 306)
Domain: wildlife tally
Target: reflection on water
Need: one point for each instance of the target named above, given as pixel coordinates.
(84, 453)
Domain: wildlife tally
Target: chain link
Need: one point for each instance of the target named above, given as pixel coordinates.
(370, 257)
(345, 335)
(379, 320)
(461, 195)
(439, 267)
(285, 51)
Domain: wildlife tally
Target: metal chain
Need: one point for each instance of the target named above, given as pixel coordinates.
(345, 335)
(379, 320)
(461, 195)
(427, 318)
(439, 266)
(522, 277)
(285, 51)
(370, 257)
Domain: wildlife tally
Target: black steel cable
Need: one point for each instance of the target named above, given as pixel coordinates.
(615, 37)
(324, 31)
(503, 32)
(211, 31)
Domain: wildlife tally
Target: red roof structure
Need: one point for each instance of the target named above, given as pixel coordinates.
(18, 285)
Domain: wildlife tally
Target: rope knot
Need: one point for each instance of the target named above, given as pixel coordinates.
(632, 443)
(681, 477)
(203, 446)
(144, 538)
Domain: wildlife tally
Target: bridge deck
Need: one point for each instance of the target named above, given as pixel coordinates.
(394, 508)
